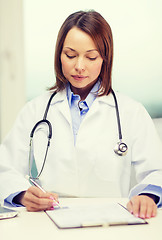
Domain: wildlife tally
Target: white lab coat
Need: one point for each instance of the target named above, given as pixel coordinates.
(90, 168)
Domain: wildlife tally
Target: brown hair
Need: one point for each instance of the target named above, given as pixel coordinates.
(99, 30)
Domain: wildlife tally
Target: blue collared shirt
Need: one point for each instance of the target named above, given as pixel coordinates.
(79, 108)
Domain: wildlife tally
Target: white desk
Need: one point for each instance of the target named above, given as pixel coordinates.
(37, 225)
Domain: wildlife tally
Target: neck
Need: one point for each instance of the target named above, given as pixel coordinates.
(83, 92)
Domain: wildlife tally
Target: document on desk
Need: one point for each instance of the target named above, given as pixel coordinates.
(111, 214)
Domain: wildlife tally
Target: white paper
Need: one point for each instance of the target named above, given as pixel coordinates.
(79, 216)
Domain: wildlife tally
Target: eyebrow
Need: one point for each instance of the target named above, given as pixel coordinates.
(91, 50)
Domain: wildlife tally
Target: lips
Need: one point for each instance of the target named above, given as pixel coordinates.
(79, 77)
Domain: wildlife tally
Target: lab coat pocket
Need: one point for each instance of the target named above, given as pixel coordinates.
(105, 169)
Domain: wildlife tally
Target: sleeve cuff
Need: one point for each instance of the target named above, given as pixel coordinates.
(10, 198)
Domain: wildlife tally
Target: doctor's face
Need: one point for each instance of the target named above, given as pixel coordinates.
(80, 59)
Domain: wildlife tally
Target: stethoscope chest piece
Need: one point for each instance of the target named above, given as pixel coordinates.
(121, 148)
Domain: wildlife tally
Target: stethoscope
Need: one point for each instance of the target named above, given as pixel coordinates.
(120, 148)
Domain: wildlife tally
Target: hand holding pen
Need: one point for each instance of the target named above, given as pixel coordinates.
(37, 199)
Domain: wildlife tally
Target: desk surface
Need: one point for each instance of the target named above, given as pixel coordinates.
(37, 225)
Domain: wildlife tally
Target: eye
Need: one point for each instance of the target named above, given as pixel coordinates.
(92, 59)
(70, 56)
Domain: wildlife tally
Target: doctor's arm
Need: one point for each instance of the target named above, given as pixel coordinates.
(145, 197)
(14, 153)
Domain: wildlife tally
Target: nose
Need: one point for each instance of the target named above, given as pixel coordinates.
(79, 65)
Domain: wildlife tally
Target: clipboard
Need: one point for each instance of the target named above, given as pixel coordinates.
(111, 214)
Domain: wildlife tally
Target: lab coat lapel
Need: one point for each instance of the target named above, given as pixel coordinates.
(65, 110)
(94, 109)
(61, 102)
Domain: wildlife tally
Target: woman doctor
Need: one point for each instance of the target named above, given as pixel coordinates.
(81, 160)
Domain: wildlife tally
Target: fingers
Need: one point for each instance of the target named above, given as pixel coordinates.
(142, 206)
(36, 200)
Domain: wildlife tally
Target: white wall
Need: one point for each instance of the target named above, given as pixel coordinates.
(12, 82)
(137, 31)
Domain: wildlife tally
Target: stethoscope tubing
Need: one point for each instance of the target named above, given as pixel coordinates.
(120, 149)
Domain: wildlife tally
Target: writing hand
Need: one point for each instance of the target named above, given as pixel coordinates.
(36, 200)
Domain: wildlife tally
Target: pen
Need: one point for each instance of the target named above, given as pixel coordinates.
(38, 186)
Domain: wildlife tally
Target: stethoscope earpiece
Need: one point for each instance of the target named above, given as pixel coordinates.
(121, 148)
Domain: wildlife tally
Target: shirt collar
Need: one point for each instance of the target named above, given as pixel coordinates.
(89, 99)
(67, 94)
